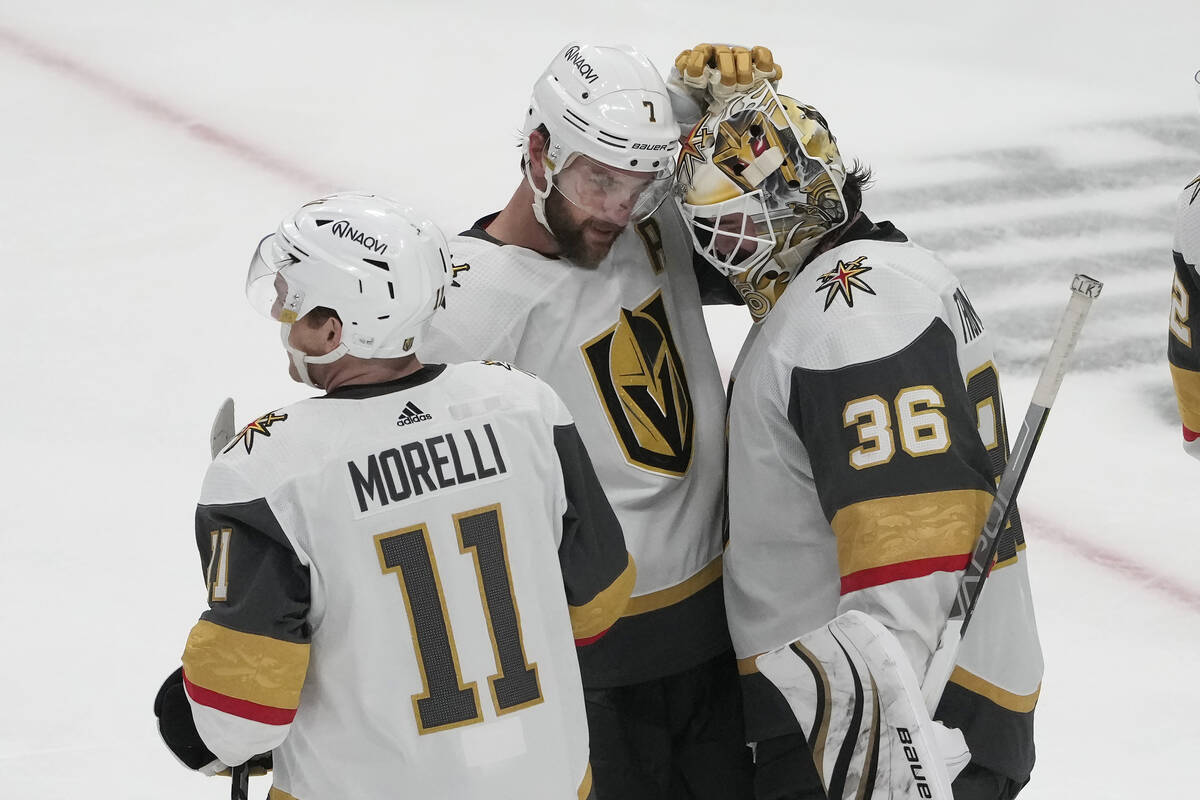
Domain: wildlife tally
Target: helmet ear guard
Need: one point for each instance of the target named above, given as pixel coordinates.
(383, 267)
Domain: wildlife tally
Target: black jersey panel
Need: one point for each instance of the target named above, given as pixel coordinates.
(872, 429)
(256, 583)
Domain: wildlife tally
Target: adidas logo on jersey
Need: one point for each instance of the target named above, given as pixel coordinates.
(412, 414)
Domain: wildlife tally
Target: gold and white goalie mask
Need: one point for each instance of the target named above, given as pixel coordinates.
(759, 183)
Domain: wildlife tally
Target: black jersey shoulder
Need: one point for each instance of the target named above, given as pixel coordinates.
(1183, 352)
(868, 393)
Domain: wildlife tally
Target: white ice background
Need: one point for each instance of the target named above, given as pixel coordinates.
(146, 147)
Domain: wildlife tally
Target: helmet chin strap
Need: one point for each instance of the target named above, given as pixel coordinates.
(301, 360)
(539, 195)
(791, 259)
(761, 301)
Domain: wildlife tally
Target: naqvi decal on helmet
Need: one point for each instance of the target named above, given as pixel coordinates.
(344, 230)
(760, 182)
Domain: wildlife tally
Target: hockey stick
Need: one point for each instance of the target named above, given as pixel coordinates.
(222, 427)
(241, 782)
(219, 435)
(1083, 291)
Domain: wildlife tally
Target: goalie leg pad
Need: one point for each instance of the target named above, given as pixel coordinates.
(858, 702)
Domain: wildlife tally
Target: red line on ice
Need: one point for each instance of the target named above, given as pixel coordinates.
(1114, 561)
(158, 110)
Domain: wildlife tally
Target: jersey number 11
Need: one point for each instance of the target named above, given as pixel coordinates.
(446, 701)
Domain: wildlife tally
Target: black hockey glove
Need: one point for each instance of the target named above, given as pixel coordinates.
(176, 726)
(178, 731)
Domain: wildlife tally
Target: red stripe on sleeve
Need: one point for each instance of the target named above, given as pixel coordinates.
(590, 639)
(1189, 435)
(877, 576)
(268, 715)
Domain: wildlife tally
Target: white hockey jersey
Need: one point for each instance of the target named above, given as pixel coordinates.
(865, 436)
(626, 347)
(398, 574)
(1183, 348)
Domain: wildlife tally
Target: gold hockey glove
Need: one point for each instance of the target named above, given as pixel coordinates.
(723, 70)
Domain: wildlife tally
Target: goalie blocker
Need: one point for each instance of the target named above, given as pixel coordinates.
(860, 708)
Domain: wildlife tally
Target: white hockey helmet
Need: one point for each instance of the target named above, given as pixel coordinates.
(607, 104)
(383, 267)
(760, 182)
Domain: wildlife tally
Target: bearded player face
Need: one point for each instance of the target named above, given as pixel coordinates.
(583, 239)
(591, 203)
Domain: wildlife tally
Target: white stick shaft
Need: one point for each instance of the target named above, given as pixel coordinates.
(941, 665)
(1083, 291)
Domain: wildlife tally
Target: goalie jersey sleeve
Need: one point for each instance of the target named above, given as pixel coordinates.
(1183, 346)
(419, 558)
(866, 434)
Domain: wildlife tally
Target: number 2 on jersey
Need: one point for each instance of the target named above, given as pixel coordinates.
(446, 701)
(1180, 301)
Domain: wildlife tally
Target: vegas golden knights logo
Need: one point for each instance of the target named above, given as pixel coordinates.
(639, 376)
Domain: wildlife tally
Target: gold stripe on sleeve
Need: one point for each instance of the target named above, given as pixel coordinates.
(895, 530)
(279, 794)
(585, 786)
(245, 666)
(1020, 703)
(598, 614)
(673, 594)
(1187, 393)
(748, 665)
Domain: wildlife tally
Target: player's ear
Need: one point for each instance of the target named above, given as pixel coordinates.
(538, 140)
(331, 334)
(324, 332)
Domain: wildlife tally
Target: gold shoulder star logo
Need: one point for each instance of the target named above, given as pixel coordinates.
(689, 157)
(260, 425)
(506, 365)
(1195, 187)
(844, 280)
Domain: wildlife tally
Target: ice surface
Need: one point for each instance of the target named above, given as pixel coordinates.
(148, 146)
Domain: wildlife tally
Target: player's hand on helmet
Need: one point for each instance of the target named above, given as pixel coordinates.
(723, 70)
(709, 74)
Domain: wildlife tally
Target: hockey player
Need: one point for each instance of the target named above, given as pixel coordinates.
(1183, 349)
(399, 571)
(865, 435)
(582, 279)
